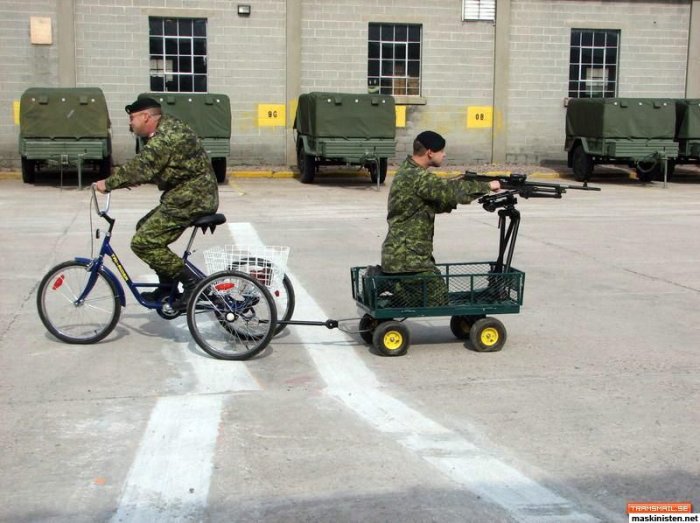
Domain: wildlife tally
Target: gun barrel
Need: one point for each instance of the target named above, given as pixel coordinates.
(516, 181)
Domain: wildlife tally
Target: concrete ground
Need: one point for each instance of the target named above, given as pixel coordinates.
(592, 403)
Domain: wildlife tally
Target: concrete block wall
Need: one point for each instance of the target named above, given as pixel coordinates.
(22, 65)
(652, 62)
(246, 61)
(456, 64)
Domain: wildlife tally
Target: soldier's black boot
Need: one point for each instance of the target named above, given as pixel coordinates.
(189, 281)
(166, 286)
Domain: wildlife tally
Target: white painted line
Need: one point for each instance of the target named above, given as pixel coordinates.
(350, 381)
(169, 478)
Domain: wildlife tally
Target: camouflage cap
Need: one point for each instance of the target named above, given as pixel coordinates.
(141, 105)
(431, 141)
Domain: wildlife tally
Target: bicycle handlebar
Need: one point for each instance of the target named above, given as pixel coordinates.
(100, 212)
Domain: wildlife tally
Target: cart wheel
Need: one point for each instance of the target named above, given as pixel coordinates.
(391, 338)
(488, 335)
(367, 325)
(460, 325)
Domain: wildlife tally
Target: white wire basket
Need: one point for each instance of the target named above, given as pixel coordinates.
(267, 263)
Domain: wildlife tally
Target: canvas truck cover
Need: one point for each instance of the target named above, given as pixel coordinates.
(54, 112)
(688, 119)
(621, 118)
(208, 114)
(344, 115)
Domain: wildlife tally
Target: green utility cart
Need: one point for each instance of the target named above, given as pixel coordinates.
(345, 129)
(66, 125)
(209, 115)
(638, 132)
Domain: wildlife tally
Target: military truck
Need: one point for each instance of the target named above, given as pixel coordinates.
(344, 129)
(688, 130)
(638, 132)
(209, 115)
(67, 125)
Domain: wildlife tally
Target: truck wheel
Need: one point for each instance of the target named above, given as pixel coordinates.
(28, 170)
(582, 164)
(648, 171)
(383, 162)
(307, 169)
(219, 165)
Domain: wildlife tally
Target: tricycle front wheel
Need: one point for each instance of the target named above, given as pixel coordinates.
(72, 320)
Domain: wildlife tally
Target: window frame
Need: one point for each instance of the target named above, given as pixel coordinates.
(178, 51)
(394, 59)
(594, 58)
(478, 10)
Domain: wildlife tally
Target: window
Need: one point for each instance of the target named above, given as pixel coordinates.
(593, 63)
(479, 10)
(178, 51)
(393, 59)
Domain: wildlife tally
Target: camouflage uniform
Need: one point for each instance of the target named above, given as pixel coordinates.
(416, 196)
(174, 160)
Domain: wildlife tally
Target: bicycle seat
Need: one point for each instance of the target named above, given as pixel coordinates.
(210, 221)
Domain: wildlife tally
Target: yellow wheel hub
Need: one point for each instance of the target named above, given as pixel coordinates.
(393, 340)
(489, 336)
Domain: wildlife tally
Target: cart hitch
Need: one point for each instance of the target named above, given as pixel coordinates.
(329, 324)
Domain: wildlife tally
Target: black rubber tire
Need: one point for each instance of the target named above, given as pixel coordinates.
(383, 165)
(648, 171)
(55, 298)
(461, 325)
(582, 164)
(488, 335)
(391, 338)
(287, 313)
(28, 170)
(231, 315)
(219, 166)
(366, 327)
(307, 166)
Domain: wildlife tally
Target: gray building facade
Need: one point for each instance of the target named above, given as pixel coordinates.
(493, 77)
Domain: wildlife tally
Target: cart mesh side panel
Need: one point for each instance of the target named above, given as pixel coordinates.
(460, 288)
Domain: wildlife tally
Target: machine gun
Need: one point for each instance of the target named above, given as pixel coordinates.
(517, 184)
(505, 200)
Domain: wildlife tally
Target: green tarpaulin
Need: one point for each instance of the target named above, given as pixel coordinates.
(208, 114)
(621, 118)
(344, 115)
(688, 119)
(51, 112)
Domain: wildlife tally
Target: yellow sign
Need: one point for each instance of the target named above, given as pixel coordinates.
(271, 115)
(400, 115)
(479, 116)
(15, 111)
